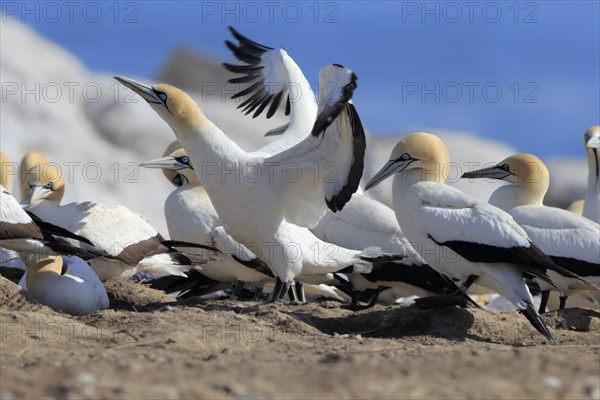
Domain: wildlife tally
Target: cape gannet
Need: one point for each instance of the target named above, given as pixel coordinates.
(65, 283)
(273, 76)
(31, 237)
(32, 165)
(131, 243)
(258, 198)
(191, 217)
(573, 242)
(456, 234)
(591, 206)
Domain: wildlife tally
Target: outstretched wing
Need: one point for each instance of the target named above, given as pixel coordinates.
(272, 77)
(324, 170)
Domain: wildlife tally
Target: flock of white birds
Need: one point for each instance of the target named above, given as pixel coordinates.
(291, 216)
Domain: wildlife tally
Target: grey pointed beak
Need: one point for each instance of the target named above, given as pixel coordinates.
(593, 142)
(145, 92)
(165, 163)
(38, 192)
(495, 172)
(390, 168)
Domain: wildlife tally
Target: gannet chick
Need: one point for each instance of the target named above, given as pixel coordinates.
(256, 196)
(131, 243)
(571, 241)
(456, 234)
(591, 207)
(191, 217)
(65, 283)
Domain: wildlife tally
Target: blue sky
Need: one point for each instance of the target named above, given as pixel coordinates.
(527, 73)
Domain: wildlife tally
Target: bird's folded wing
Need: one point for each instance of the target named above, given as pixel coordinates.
(560, 233)
(480, 232)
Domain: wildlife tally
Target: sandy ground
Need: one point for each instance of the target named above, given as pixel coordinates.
(149, 346)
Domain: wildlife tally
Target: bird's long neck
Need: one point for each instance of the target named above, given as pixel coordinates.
(431, 173)
(591, 207)
(510, 196)
(45, 209)
(209, 149)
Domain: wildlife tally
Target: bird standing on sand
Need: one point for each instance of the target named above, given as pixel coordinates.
(571, 241)
(458, 235)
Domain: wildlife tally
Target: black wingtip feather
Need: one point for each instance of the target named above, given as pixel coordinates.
(244, 40)
(534, 318)
(274, 104)
(337, 202)
(56, 230)
(256, 264)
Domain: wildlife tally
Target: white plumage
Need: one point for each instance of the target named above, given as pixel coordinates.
(65, 283)
(130, 243)
(570, 240)
(255, 196)
(456, 234)
(191, 217)
(274, 79)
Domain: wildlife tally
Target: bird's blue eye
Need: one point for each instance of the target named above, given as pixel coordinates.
(177, 180)
(405, 157)
(505, 167)
(162, 96)
(185, 160)
(49, 185)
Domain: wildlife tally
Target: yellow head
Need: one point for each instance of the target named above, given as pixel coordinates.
(591, 138)
(40, 179)
(526, 171)
(592, 132)
(176, 166)
(175, 106)
(42, 269)
(418, 153)
(169, 173)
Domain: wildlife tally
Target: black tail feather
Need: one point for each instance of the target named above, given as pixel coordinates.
(534, 318)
